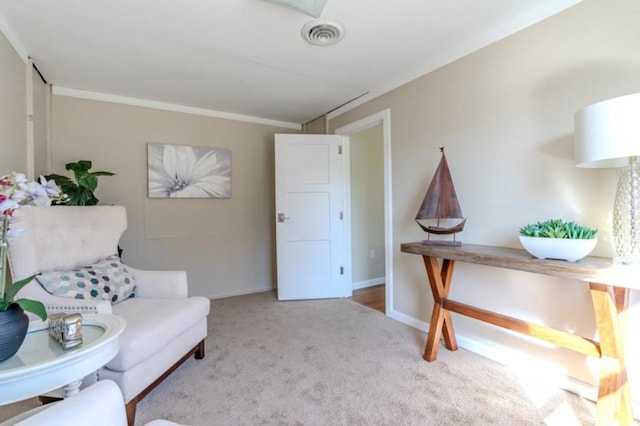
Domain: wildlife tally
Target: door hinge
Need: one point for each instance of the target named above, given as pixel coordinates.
(339, 149)
(342, 270)
(341, 215)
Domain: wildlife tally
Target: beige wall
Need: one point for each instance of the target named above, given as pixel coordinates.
(225, 245)
(367, 206)
(13, 106)
(505, 116)
(14, 119)
(317, 126)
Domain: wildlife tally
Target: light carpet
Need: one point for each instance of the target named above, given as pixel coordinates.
(335, 362)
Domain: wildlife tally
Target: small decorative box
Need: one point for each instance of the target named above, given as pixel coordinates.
(66, 329)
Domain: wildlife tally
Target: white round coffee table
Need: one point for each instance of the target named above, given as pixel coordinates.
(41, 365)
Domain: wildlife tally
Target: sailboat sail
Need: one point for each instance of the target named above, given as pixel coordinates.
(441, 202)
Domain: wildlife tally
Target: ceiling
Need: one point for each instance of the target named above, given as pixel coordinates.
(247, 57)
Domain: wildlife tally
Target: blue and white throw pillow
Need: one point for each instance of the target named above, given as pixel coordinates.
(108, 279)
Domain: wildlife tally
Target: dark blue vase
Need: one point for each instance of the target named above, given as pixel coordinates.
(13, 328)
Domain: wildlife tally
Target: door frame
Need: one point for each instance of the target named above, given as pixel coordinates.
(381, 118)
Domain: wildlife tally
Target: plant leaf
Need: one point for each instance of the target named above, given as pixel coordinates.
(80, 166)
(80, 197)
(63, 182)
(88, 180)
(82, 175)
(92, 201)
(33, 306)
(15, 288)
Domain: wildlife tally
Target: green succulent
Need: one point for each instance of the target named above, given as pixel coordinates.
(556, 228)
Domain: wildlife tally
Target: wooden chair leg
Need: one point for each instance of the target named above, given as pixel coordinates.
(199, 353)
(44, 400)
(131, 411)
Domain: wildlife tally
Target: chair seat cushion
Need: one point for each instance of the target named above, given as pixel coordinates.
(108, 279)
(152, 324)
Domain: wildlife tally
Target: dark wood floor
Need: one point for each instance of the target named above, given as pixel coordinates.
(373, 297)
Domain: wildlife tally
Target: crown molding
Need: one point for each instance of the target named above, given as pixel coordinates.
(95, 96)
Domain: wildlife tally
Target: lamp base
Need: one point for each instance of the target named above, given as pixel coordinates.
(626, 215)
(628, 260)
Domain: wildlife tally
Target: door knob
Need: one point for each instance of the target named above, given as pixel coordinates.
(282, 217)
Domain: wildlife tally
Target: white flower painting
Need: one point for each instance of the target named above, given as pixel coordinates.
(177, 171)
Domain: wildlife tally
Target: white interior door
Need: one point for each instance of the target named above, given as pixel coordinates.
(310, 233)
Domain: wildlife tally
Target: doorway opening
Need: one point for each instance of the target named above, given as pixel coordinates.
(372, 297)
(368, 214)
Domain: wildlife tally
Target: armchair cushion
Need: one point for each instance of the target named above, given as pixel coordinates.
(157, 323)
(107, 279)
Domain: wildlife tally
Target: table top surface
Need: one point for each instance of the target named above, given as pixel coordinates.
(594, 269)
(41, 362)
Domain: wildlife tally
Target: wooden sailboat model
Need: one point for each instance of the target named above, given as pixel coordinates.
(441, 204)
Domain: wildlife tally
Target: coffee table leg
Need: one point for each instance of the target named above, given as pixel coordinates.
(614, 398)
(72, 388)
(441, 324)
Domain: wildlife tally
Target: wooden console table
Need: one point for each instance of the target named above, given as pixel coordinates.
(609, 285)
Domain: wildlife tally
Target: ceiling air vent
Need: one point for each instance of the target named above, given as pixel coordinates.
(322, 32)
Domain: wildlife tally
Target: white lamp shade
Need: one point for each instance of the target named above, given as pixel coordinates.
(608, 133)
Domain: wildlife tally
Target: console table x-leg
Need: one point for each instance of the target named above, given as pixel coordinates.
(610, 303)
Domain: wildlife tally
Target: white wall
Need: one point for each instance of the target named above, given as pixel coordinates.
(505, 116)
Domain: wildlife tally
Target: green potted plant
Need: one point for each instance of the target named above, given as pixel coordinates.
(556, 239)
(80, 192)
(16, 190)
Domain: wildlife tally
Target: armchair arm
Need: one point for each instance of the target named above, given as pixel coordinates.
(160, 284)
(98, 404)
(54, 304)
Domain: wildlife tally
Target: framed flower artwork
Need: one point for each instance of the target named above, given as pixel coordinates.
(178, 171)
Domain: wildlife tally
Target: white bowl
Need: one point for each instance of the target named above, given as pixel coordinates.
(567, 249)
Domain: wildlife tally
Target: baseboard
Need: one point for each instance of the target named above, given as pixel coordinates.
(529, 367)
(367, 283)
(410, 321)
(519, 362)
(241, 292)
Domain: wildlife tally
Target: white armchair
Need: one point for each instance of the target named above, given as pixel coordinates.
(160, 333)
(100, 404)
